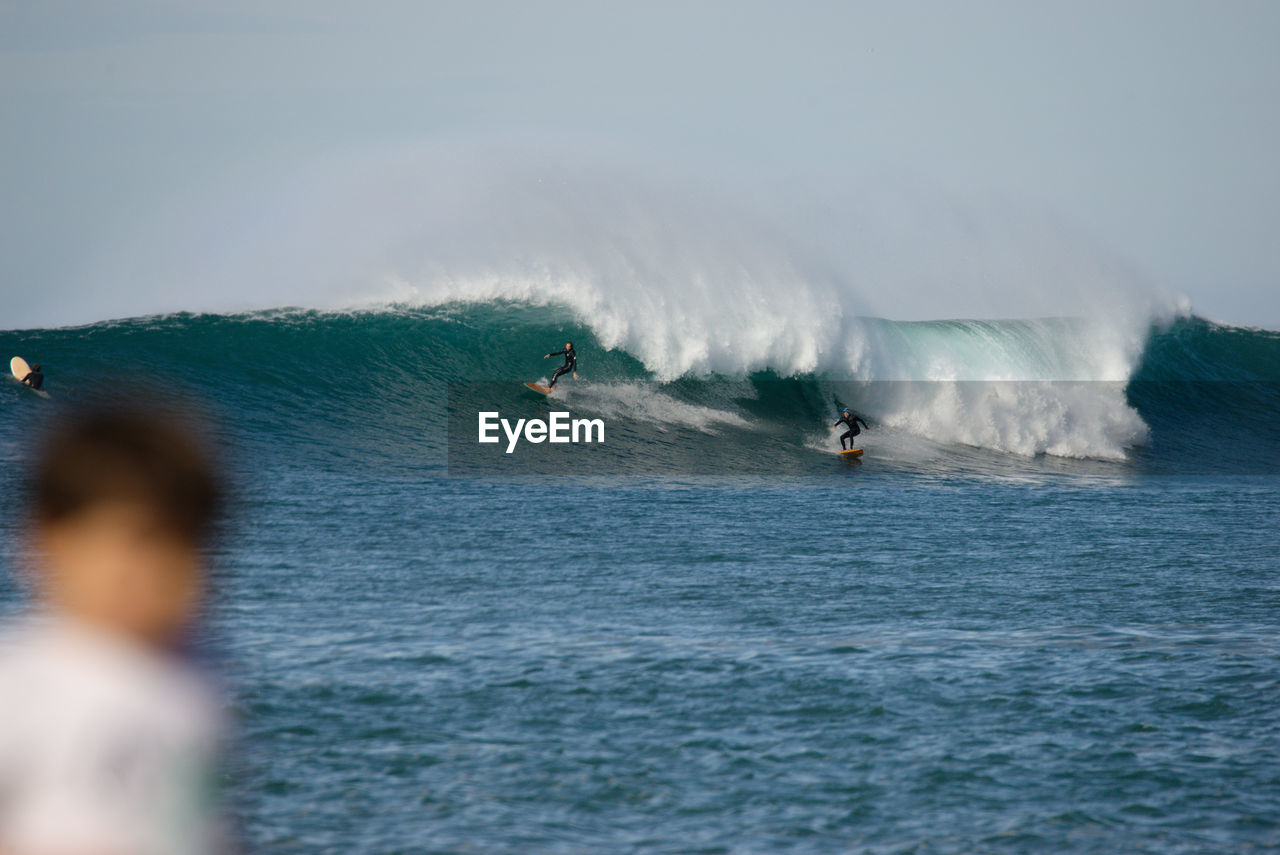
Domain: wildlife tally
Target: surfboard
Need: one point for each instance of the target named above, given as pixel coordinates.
(539, 388)
(851, 453)
(20, 369)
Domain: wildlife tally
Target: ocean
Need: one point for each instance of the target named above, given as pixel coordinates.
(1039, 615)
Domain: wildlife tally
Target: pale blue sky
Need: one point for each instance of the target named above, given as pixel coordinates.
(1154, 127)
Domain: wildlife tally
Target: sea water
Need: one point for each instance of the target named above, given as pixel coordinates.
(857, 664)
(734, 642)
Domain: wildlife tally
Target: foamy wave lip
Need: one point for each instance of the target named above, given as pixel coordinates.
(687, 276)
(694, 281)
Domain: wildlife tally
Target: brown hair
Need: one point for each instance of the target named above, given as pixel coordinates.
(128, 452)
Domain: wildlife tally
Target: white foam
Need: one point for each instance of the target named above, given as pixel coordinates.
(642, 402)
(1083, 420)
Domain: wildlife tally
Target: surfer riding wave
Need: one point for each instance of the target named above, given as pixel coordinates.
(848, 417)
(570, 363)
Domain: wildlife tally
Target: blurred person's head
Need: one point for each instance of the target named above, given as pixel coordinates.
(124, 500)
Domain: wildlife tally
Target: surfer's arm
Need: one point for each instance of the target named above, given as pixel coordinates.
(26, 381)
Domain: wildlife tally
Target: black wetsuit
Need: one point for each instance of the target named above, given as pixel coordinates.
(34, 379)
(570, 364)
(852, 421)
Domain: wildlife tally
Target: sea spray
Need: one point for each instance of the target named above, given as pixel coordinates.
(690, 280)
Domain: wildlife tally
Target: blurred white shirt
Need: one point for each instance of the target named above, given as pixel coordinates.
(106, 747)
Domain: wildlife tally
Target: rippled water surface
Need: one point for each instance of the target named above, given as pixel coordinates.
(869, 662)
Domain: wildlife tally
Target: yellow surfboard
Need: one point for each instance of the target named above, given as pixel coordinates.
(539, 388)
(851, 453)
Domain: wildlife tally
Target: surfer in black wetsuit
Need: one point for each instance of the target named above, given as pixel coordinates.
(849, 418)
(570, 363)
(34, 378)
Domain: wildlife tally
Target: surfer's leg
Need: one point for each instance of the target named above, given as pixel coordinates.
(556, 376)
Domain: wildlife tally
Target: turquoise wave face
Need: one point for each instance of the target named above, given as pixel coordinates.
(390, 388)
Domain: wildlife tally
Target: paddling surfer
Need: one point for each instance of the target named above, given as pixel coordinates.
(34, 378)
